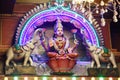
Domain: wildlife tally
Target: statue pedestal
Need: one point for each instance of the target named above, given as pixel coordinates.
(20, 70)
(80, 69)
(106, 72)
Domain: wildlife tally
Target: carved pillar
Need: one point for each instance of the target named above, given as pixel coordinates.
(107, 34)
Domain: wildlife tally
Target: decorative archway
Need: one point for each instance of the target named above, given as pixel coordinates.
(28, 24)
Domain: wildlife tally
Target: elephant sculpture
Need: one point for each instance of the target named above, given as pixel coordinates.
(101, 54)
(17, 53)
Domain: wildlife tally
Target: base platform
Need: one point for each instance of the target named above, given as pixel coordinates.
(105, 72)
(20, 70)
(26, 77)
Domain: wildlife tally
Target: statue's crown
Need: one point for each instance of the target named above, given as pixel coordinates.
(58, 24)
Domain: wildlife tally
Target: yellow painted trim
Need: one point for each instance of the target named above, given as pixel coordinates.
(0, 30)
(32, 1)
(59, 78)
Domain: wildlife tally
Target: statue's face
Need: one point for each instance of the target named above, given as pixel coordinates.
(59, 31)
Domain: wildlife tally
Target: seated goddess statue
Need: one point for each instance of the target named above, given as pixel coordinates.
(62, 57)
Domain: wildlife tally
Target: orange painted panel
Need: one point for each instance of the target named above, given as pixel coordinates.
(106, 35)
(23, 8)
(8, 29)
(0, 32)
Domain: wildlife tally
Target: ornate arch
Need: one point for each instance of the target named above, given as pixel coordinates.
(37, 17)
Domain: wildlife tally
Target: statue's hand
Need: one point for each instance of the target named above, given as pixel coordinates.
(70, 50)
(61, 52)
(51, 43)
(76, 41)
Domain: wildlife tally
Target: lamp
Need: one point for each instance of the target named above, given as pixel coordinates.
(92, 7)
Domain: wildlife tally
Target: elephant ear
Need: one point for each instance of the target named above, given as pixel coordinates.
(17, 46)
(17, 49)
(105, 50)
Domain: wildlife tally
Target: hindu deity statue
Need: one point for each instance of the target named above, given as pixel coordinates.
(62, 57)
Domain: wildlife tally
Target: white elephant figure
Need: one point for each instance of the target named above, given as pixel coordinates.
(23, 53)
(98, 55)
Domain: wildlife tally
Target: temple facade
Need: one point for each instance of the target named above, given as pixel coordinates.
(31, 26)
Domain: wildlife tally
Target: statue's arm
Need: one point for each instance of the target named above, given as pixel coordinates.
(43, 43)
(75, 44)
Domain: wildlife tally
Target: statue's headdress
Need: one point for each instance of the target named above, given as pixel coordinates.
(58, 24)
